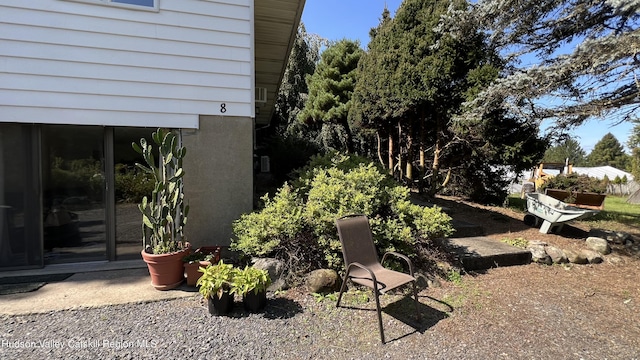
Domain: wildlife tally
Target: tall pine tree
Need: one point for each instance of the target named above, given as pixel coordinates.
(331, 87)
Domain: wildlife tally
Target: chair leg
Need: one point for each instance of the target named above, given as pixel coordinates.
(379, 315)
(342, 287)
(415, 295)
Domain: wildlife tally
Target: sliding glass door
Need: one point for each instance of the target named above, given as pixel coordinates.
(69, 194)
(73, 188)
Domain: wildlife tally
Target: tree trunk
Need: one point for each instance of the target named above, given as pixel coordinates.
(421, 141)
(400, 171)
(391, 159)
(436, 157)
(409, 164)
(347, 129)
(379, 145)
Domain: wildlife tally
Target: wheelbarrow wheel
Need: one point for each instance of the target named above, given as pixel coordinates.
(530, 220)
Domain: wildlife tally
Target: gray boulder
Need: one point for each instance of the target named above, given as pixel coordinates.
(576, 257)
(598, 244)
(275, 268)
(323, 281)
(593, 257)
(557, 255)
(539, 255)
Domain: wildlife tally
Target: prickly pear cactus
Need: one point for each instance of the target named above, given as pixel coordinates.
(164, 214)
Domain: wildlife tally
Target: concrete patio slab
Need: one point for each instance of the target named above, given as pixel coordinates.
(481, 253)
(91, 289)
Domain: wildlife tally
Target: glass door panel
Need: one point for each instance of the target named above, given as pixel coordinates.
(20, 224)
(73, 186)
(130, 186)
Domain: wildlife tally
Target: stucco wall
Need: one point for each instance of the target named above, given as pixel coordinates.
(218, 179)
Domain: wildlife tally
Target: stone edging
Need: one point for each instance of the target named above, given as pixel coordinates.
(598, 246)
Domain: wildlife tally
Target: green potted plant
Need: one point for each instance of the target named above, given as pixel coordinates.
(252, 284)
(215, 285)
(164, 213)
(199, 258)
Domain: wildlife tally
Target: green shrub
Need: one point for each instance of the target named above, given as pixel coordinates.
(260, 233)
(298, 224)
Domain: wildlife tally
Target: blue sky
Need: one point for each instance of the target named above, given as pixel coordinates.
(352, 19)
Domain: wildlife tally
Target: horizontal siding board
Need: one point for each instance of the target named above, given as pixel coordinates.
(121, 58)
(120, 103)
(212, 21)
(120, 88)
(231, 9)
(93, 117)
(126, 43)
(121, 73)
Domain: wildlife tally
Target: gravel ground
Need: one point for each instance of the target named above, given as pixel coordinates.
(522, 312)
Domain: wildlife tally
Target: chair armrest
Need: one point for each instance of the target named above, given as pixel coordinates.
(403, 257)
(357, 264)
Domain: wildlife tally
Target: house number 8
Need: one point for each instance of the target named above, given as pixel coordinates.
(223, 108)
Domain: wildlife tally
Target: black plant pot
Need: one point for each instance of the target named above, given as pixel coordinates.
(255, 302)
(222, 305)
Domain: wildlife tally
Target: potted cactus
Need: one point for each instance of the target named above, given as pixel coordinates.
(215, 285)
(164, 213)
(252, 284)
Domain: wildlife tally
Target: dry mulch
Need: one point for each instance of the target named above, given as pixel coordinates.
(567, 311)
(532, 311)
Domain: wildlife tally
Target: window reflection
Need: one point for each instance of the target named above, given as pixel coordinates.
(131, 185)
(73, 186)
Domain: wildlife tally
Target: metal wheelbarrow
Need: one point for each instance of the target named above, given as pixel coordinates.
(552, 213)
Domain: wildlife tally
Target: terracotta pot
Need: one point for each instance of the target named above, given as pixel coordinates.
(222, 305)
(166, 270)
(192, 273)
(255, 302)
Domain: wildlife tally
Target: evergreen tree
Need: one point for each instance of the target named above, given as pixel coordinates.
(587, 53)
(371, 97)
(634, 145)
(330, 90)
(293, 91)
(288, 144)
(608, 151)
(567, 149)
(414, 79)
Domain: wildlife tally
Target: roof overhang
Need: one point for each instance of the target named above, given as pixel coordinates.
(275, 27)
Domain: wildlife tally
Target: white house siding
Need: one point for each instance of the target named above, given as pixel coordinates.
(89, 63)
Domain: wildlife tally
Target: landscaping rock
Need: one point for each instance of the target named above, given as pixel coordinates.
(539, 255)
(598, 244)
(557, 255)
(323, 281)
(275, 268)
(616, 237)
(576, 257)
(422, 280)
(593, 257)
(615, 260)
